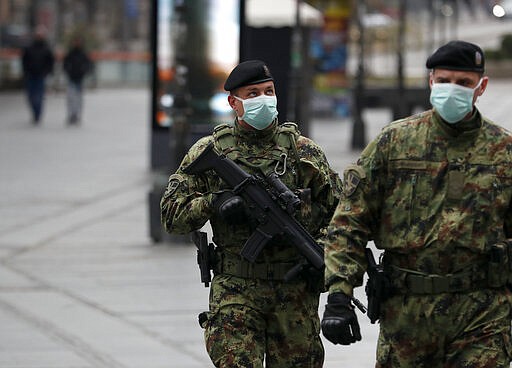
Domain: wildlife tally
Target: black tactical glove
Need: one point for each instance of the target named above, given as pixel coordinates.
(230, 207)
(339, 324)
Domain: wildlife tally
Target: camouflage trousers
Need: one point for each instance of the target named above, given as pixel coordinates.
(466, 330)
(252, 321)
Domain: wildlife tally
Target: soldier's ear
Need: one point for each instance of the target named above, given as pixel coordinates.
(430, 79)
(232, 102)
(483, 86)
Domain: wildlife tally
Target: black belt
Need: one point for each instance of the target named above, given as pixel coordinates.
(404, 281)
(237, 266)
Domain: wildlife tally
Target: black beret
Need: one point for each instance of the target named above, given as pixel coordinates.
(247, 73)
(458, 55)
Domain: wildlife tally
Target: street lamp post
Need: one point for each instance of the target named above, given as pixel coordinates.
(296, 92)
(400, 108)
(358, 132)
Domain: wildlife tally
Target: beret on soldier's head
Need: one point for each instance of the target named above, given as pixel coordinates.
(247, 73)
(458, 55)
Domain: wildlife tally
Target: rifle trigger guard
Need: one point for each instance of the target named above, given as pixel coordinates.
(282, 158)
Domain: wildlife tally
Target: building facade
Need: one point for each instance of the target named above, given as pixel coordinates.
(116, 33)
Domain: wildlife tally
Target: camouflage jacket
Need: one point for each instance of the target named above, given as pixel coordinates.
(187, 202)
(431, 195)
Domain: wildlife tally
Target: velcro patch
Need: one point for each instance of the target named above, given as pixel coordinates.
(352, 178)
(174, 182)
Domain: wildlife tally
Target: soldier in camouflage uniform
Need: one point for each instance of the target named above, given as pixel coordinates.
(434, 192)
(254, 315)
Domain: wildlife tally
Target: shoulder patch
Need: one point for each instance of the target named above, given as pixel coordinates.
(174, 182)
(352, 178)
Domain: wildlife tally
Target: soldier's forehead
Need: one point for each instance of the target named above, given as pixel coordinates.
(256, 87)
(456, 75)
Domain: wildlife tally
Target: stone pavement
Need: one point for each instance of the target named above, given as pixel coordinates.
(81, 284)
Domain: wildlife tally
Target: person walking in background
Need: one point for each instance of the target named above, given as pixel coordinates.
(256, 315)
(434, 191)
(37, 63)
(77, 65)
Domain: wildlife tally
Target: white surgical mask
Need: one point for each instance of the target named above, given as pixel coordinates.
(452, 101)
(260, 111)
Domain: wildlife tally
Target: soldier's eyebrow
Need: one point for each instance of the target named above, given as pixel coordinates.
(441, 80)
(464, 81)
(461, 81)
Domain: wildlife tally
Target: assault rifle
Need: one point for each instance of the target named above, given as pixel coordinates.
(271, 209)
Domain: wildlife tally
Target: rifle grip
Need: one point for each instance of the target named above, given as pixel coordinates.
(254, 245)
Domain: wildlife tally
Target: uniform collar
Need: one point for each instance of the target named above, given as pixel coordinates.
(466, 128)
(253, 135)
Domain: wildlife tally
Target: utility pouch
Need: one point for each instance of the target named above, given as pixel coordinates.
(498, 266)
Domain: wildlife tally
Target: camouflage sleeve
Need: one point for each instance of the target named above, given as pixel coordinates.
(325, 184)
(354, 221)
(186, 203)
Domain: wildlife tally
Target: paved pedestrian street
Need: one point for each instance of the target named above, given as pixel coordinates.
(81, 283)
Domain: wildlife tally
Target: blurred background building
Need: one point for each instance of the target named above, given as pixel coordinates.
(330, 58)
(117, 34)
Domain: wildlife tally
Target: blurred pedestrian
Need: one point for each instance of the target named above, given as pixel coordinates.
(77, 64)
(37, 62)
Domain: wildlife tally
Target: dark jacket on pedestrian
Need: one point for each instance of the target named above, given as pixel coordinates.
(77, 64)
(38, 59)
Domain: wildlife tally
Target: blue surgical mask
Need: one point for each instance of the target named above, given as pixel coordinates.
(452, 101)
(260, 111)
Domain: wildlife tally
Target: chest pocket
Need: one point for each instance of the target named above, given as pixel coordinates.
(409, 203)
(488, 186)
(488, 191)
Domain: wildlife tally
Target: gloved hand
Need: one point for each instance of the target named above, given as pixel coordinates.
(339, 324)
(231, 208)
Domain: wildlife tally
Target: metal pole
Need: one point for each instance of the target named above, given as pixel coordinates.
(294, 99)
(401, 109)
(243, 32)
(455, 23)
(180, 126)
(358, 132)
